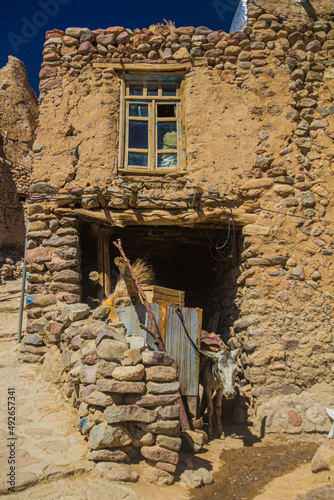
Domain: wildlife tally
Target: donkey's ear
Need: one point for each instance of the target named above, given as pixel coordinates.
(210, 354)
(235, 353)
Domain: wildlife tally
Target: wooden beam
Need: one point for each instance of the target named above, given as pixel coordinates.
(144, 67)
(100, 196)
(144, 217)
(134, 195)
(126, 275)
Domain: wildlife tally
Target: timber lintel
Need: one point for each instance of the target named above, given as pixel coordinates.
(162, 217)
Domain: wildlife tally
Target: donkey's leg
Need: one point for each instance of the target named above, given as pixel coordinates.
(219, 403)
(208, 395)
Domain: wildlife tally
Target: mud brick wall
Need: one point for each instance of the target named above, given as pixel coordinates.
(259, 129)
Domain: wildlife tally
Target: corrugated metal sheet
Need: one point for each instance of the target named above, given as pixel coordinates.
(174, 337)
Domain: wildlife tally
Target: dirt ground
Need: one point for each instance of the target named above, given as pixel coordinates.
(244, 466)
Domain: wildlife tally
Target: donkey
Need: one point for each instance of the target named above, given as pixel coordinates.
(218, 375)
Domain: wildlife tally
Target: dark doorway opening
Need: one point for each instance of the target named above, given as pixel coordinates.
(182, 258)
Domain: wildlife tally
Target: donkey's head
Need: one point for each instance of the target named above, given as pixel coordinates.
(225, 368)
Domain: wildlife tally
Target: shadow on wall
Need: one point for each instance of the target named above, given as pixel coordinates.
(12, 222)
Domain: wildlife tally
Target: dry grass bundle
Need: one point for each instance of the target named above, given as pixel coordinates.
(144, 273)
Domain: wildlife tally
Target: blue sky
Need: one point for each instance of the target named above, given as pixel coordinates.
(23, 23)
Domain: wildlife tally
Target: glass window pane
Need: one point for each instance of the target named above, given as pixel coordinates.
(152, 89)
(138, 110)
(169, 89)
(136, 90)
(138, 134)
(167, 161)
(167, 136)
(166, 110)
(137, 160)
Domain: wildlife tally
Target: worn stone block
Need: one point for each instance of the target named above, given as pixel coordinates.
(156, 358)
(111, 350)
(160, 454)
(167, 427)
(129, 413)
(121, 387)
(108, 436)
(116, 472)
(160, 373)
(169, 388)
(171, 443)
(131, 357)
(133, 373)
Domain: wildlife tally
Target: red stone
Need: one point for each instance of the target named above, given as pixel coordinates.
(294, 418)
(123, 38)
(47, 72)
(54, 34)
(86, 47)
(51, 56)
(51, 83)
(160, 454)
(90, 357)
(314, 46)
(38, 255)
(167, 467)
(86, 390)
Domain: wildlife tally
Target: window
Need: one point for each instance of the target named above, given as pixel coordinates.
(151, 136)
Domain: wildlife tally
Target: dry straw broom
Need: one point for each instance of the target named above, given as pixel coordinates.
(144, 273)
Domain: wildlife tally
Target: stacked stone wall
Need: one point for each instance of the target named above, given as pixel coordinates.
(126, 396)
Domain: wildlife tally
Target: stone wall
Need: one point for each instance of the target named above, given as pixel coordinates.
(18, 109)
(259, 127)
(127, 396)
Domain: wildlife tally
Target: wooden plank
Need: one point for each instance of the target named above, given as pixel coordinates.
(161, 295)
(144, 67)
(160, 217)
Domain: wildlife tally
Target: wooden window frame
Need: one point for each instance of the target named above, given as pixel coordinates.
(153, 120)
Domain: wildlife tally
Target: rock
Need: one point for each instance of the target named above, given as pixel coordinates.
(33, 339)
(42, 300)
(171, 443)
(169, 412)
(90, 358)
(76, 32)
(318, 124)
(74, 375)
(158, 477)
(171, 469)
(156, 358)
(136, 342)
(167, 427)
(160, 374)
(108, 456)
(158, 454)
(162, 388)
(73, 312)
(298, 273)
(67, 276)
(52, 367)
(101, 313)
(252, 229)
(121, 387)
(88, 374)
(30, 358)
(192, 441)
(58, 241)
(133, 373)
(142, 438)
(38, 255)
(108, 436)
(324, 457)
(98, 398)
(108, 332)
(148, 400)
(116, 472)
(246, 321)
(206, 476)
(131, 357)
(192, 478)
(105, 368)
(129, 413)
(111, 350)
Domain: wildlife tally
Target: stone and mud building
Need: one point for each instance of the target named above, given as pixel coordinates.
(211, 155)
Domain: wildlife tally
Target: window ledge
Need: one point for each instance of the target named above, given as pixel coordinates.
(146, 172)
